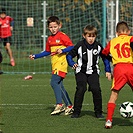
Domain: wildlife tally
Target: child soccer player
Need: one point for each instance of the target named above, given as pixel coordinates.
(88, 51)
(57, 45)
(122, 59)
(6, 26)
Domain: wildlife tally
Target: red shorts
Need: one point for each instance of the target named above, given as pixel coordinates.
(122, 74)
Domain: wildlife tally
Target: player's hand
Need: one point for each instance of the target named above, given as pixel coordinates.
(108, 76)
(74, 66)
(11, 28)
(58, 51)
(32, 57)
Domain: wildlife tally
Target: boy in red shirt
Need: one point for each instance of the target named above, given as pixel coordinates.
(120, 49)
(57, 45)
(6, 26)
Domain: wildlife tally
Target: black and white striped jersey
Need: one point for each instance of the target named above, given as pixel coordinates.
(87, 57)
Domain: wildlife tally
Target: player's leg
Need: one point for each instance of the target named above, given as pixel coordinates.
(56, 87)
(55, 79)
(110, 108)
(65, 95)
(94, 85)
(111, 104)
(81, 87)
(9, 51)
(66, 99)
(119, 80)
(7, 43)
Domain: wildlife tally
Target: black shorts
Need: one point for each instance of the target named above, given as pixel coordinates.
(6, 40)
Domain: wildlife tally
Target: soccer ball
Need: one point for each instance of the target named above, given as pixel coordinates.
(126, 109)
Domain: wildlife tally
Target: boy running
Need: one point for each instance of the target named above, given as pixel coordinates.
(6, 26)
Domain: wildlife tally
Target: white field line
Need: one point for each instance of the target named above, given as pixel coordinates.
(31, 106)
(23, 104)
(37, 104)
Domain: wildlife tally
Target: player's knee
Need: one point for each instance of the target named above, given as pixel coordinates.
(53, 84)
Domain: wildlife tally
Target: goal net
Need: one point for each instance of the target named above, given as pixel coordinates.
(118, 10)
(29, 21)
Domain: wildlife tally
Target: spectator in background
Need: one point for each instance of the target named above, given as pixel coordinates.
(6, 27)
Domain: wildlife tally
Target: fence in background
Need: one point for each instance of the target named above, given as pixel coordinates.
(30, 18)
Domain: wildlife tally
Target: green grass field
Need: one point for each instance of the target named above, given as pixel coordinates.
(26, 106)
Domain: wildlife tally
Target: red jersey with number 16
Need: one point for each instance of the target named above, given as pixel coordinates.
(5, 30)
(120, 50)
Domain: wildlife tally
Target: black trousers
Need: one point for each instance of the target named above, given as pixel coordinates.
(81, 86)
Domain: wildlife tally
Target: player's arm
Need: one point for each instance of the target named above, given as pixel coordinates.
(11, 23)
(65, 50)
(70, 60)
(105, 59)
(66, 42)
(40, 55)
(107, 65)
(106, 62)
(107, 68)
(71, 55)
(106, 50)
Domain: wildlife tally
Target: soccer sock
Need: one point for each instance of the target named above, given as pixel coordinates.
(110, 111)
(69, 106)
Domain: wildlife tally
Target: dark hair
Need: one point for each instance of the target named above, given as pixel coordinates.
(91, 30)
(53, 19)
(2, 10)
(122, 26)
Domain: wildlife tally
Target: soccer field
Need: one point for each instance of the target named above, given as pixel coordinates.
(26, 106)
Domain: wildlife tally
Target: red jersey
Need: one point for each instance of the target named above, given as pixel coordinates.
(5, 30)
(59, 62)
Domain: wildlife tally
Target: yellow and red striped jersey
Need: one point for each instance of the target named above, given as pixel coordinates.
(120, 50)
(59, 62)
